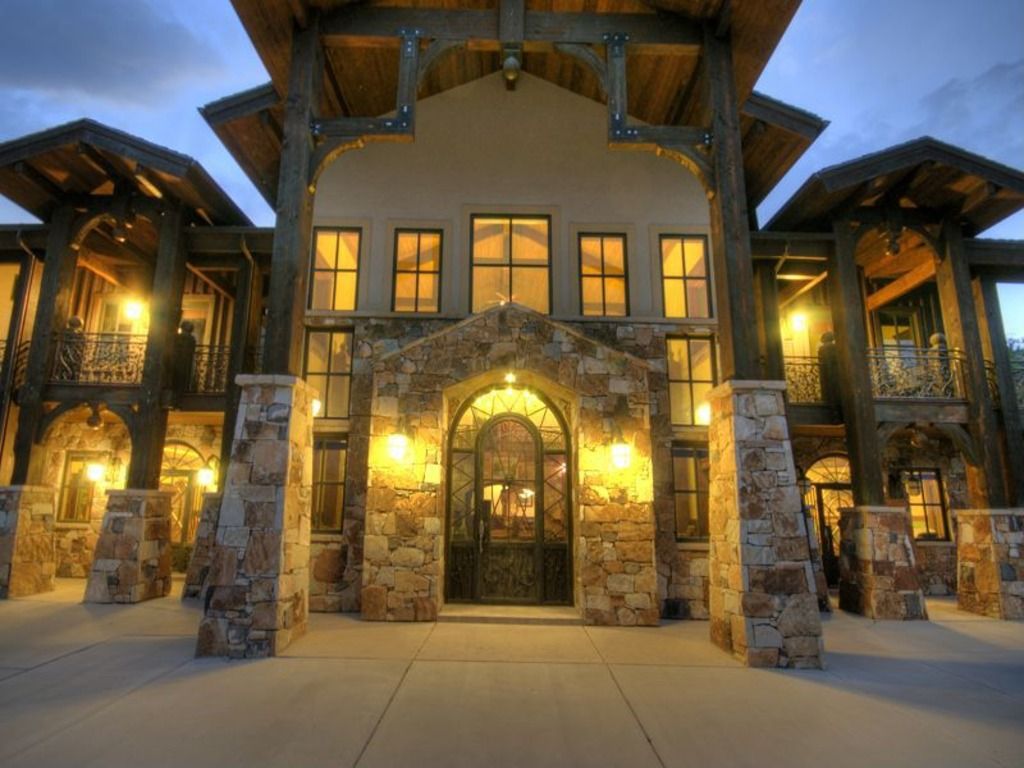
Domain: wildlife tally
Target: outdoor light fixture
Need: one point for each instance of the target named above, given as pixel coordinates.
(95, 472)
(205, 477)
(133, 309)
(798, 321)
(510, 378)
(317, 406)
(510, 68)
(621, 450)
(703, 414)
(398, 445)
(94, 421)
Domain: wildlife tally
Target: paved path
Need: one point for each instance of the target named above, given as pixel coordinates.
(117, 686)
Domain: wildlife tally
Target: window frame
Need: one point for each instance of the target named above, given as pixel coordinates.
(341, 441)
(330, 330)
(708, 278)
(511, 217)
(696, 452)
(395, 271)
(86, 457)
(311, 275)
(603, 276)
(690, 382)
(905, 475)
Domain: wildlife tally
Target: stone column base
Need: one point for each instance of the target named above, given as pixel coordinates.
(202, 547)
(877, 574)
(132, 562)
(257, 598)
(28, 560)
(763, 601)
(990, 562)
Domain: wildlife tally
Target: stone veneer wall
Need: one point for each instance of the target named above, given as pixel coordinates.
(762, 600)
(27, 563)
(991, 562)
(403, 546)
(259, 571)
(133, 554)
(202, 548)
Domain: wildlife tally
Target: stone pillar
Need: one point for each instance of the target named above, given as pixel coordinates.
(877, 574)
(202, 549)
(762, 597)
(27, 559)
(990, 562)
(133, 555)
(258, 579)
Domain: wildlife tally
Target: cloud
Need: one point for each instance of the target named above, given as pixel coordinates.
(125, 51)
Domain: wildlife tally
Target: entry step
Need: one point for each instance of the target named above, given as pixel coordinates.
(547, 615)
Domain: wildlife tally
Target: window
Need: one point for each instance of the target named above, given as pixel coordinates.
(417, 271)
(329, 454)
(684, 276)
(690, 480)
(329, 370)
(923, 489)
(691, 375)
(511, 256)
(332, 284)
(898, 329)
(82, 472)
(603, 289)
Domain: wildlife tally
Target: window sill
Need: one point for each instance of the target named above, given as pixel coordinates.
(690, 545)
(934, 543)
(326, 538)
(71, 526)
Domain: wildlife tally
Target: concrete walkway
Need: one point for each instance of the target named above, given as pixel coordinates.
(117, 686)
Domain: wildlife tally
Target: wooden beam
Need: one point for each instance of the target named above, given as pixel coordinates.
(97, 269)
(768, 325)
(791, 296)
(206, 279)
(39, 180)
(901, 285)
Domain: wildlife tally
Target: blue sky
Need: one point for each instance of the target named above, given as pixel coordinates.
(882, 71)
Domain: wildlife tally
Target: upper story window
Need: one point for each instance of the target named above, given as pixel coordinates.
(923, 488)
(417, 271)
(335, 269)
(329, 454)
(684, 276)
(603, 290)
(690, 486)
(329, 370)
(691, 375)
(511, 261)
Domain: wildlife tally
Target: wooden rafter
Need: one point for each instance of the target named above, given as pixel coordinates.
(901, 285)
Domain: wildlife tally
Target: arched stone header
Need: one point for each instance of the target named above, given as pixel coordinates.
(418, 389)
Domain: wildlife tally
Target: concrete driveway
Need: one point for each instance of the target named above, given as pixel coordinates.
(117, 686)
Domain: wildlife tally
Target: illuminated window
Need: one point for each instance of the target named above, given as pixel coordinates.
(690, 482)
(77, 489)
(684, 276)
(417, 271)
(511, 257)
(691, 375)
(333, 281)
(923, 488)
(603, 275)
(329, 370)
(329, 454)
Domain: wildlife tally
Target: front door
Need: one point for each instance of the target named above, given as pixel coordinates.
(508, 523)
(831, 498)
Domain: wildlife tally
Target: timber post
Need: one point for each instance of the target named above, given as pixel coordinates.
(769, 329)
(240, 325)
(19, 314)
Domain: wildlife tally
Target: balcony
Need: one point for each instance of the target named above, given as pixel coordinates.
(916, 373)
(209, 372)
(98, 358)
(803, 380)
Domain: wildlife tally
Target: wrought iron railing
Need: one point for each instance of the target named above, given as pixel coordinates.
(905, 372)
(20, 363)
(1017, 372)
(98, 358)
(803, 380)
(210, 366)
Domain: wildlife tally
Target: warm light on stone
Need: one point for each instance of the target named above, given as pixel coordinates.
(398, 446)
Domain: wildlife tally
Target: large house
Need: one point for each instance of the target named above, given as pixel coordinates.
(515, 337)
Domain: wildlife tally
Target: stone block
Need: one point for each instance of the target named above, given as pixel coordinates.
(990, 562)
(27, 543)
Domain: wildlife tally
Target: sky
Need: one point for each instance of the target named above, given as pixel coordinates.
(882, 71)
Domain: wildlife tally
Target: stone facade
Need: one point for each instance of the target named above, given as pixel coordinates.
(259, 572)
(133, 555)
(936, 566)
(425, 382)
(763, 601)
(991, 562)
(27, 562)
(202, 547)
(877, 574)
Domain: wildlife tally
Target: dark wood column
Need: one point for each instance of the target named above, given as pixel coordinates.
(15, 329)
(241, 322)
(985, 481)
(51, 316)
(855, 393)
(993, 337)
(730, 229)
(769, 331)
(282, 350)
(150, 428)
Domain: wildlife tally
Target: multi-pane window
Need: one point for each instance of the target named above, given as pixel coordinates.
(603, 289)
(511, 261)
(329, 370)
(684, 276)
(690, 480)
(335, 269)
(923, 488)
(417, 271)
(691, 375)
(329, 454)
(78, 488)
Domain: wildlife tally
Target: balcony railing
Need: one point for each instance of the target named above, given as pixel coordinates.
(210, 370)
(98, 358)
(803, 380)
(911, 373)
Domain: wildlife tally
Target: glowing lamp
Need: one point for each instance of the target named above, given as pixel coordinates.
(510, 378)
(317, 406)
(703, 414)
(95, 472)
(621, 455)
(205, 477)
(798, 321)
(398, 445)
(133, 309)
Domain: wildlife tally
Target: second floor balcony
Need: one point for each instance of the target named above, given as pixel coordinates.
(98, 358)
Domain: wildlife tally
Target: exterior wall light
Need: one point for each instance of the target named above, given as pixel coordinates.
(398, 446)
(703, 414)
(510, 378)
(133, 309)
(316, 407)
(205, 477)
(95, 472)
(622, 453)
(798, 322)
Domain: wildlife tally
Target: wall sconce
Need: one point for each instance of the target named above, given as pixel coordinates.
(703, 414)
(95, 472)
(206, 477)
(510, 378)
(133, 309)
(398, 442)
(316, 406)
(621, 450)
(798, 322)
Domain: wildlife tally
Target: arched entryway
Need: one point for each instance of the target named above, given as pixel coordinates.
(508, 521)
(828, 491)
(186, 474)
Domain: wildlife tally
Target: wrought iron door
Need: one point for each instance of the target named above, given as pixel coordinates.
(831, 498)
